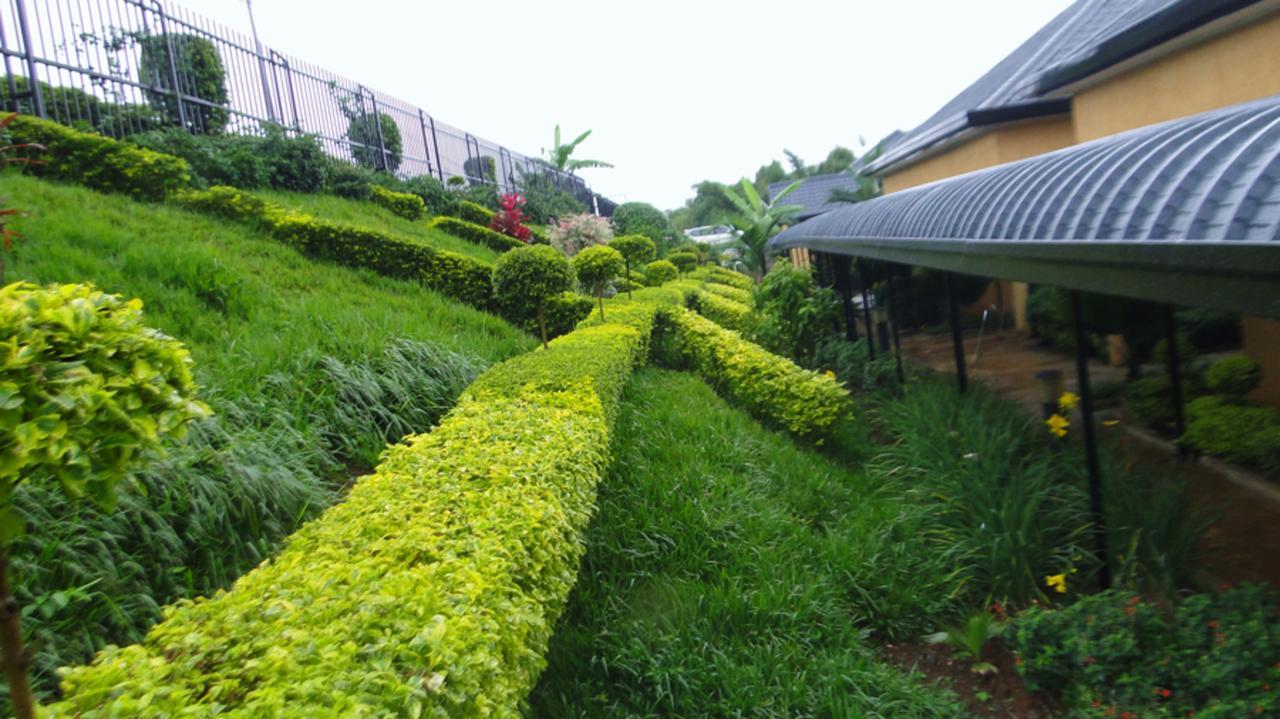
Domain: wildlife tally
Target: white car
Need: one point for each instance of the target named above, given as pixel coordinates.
(713, 234)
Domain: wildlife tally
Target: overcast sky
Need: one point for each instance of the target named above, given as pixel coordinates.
(676, 92)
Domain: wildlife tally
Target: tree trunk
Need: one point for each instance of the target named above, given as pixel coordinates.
(542, 326)
(629, 295)
(601, 298)
(14, 656)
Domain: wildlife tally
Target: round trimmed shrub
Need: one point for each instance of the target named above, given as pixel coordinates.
(595, 267)
(1234, 376)
(659, 272)
(200, 74)
(640, 218)
(529, 276)
(684, 261)
(364, 142)
(635, 250)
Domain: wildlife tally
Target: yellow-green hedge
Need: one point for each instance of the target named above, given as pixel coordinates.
(458, 276)
(723, 311)
(431, 591)
(98, 162)
(404, 204)
(475, 213)
(480, 235)
(773, 388)
(729, 292)
(720, 275)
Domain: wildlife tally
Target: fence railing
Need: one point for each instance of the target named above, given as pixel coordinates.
(122, 67)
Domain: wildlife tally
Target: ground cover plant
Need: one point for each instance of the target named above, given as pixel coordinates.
(715, 581)
(311, 369)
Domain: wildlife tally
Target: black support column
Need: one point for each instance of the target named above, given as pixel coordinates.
(893, 322)
(842, 265)
(1175, 377)
(1090, 442)
(866, 314)
(957, 339)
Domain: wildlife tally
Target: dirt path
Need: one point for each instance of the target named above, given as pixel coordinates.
(1242, 545)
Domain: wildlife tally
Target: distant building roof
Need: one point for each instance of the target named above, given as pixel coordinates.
(814, 193)
(1085, 38)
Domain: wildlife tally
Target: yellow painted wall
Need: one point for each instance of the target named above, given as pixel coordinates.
(1262, 343)
(996, 147)
(1236, 67)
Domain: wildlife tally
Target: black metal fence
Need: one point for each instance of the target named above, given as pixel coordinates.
(121, 67)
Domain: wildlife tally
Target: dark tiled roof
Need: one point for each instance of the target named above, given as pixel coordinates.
(1186, 211)
(814, 193)
(1074, 34)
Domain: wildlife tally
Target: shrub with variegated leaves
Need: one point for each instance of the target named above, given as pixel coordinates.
(575, 232)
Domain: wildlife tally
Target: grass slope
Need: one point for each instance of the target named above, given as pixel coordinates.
(367, 214)
(311, 369)
(719, 574)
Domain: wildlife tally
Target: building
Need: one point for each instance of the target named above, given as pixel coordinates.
(1106, 103)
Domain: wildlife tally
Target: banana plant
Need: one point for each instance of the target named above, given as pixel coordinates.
(560, 155)
(759, 221)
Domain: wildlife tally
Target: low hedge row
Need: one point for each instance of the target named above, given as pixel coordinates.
(460, 277)
(722, 276)
(725, 312)
(475, 213)
(773, 388)
(403, 204)
(431, 591)
(729, 292)
(479, 234)
(98, 162)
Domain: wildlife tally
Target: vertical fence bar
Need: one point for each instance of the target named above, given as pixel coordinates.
(383, 163)
(1175, 377)
(29, 54)
(866, 313)
(426, 145)
(435, 146)
(173, 63)
(893, 322)
(844, 285)
(957, 338)
(1094, 466)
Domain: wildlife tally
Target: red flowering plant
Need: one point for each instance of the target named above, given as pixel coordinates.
(510, 220)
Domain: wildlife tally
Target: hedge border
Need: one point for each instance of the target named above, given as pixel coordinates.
(477, 234)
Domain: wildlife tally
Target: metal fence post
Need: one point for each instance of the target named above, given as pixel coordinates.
(435, 144)
(957, 337)
(173, 64)
(29, 54)
(383, 164)
(1092, 463)
(279, 60)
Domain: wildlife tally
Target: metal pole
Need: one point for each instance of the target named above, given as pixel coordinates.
(29, 54)
(282, 61)
(426, 146)
(1175, 376)
(435, 144)
(173, 66)
(866, 314)
(1090, 440)
(844, 285)
(383, 164)
(957, 338)
(262, 63)
(893, 322)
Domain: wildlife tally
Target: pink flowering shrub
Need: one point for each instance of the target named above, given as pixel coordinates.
(573, 233)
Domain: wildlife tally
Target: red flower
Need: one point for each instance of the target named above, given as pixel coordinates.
(1133, 601)
(1215, 624)
(1164, 693)
(1128, 715)
(510, 221)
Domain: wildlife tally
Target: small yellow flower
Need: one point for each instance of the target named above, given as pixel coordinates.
(1068, 401)
(829, 374)
(1057, 582)
(1110, 422)
(1058, 425)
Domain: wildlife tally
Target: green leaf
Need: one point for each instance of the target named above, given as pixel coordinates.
(12, 526)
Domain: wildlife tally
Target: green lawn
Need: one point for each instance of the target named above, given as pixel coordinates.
(723, 576)
(367, 214)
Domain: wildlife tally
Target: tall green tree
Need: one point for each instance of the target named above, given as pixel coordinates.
(761, 220)
(560, 155)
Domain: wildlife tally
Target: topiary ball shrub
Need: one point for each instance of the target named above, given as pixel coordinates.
(365, 137)
(1234, 376)
(659, 272)
(635, 250)
(529, 276)
(684, 261)
(595, 267)
(199, 72)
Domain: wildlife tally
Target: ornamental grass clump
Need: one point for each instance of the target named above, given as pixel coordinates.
(596, 267)
(85, 387)
(531, 276)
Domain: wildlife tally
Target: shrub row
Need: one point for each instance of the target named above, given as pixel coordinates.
(1244, 433)
(479, 234)
(729, 292)
(98, 162)
(474, 212)
(725, 312)
(457, 276)
(720, 275)
(432, 591)
(807, 404)
(402, 204)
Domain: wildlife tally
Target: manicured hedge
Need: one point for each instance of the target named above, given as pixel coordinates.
(723, 311)
(98, 162)
(475, 213)
(431, 591)
(805, 403)
(478, 234)
(720, 275)
(729, 292)
(404, 204)
(460, 277)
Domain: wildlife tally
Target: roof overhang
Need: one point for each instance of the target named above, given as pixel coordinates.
(1186, 212)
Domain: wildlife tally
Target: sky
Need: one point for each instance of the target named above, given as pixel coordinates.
(674, 92)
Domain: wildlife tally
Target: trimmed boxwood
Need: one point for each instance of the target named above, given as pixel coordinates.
(723, 311)
(720, 275)
(729, 292)
(475, 213)
(403, 204)
(97, 162)
(477, 234)
(431, 591)
(774, 389)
